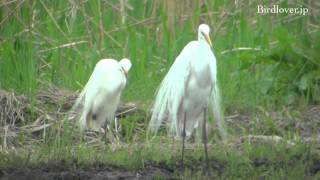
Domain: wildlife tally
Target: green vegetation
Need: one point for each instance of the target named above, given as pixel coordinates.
(268, 70)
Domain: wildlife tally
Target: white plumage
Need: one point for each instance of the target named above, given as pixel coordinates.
(100, 97)
(189, 87)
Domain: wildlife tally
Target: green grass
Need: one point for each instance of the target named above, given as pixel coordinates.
(233, 161)
(282, 73)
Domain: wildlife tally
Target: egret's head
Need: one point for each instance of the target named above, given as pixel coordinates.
(125, 65)
(203, 33)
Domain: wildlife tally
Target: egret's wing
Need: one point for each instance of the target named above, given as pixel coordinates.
(171, 91)
(215, 99)
(91, 87)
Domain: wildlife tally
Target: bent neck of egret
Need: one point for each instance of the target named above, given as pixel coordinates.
(125, 65)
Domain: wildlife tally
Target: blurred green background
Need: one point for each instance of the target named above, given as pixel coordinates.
(267, 60)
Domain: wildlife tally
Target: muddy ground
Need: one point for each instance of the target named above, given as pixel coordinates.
(99, 171)
(95, 172)
(15, 110)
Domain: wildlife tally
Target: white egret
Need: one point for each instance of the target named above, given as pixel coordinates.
(187, 90)
(100, 96)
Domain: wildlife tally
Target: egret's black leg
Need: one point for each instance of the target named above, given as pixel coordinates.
(204, 135)
(105, 133)
(116, 127)
(183, 138)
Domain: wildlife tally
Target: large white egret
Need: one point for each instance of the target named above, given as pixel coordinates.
(100, 96)
(187, 90)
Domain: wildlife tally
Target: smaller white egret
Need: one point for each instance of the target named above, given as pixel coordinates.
(187, 90)
(100, 96)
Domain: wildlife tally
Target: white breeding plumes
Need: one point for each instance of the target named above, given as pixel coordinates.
(188, 89)
(100, 97)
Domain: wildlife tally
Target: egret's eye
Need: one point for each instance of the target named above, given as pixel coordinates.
(204, 34)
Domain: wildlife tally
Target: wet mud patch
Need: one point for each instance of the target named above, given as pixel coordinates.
(95, 172)
(151, 169)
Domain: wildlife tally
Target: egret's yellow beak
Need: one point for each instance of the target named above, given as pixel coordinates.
(208, 39)
(206, 36)
(124, 72)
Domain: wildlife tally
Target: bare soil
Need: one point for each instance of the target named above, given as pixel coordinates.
(95, 172)
(152, 171)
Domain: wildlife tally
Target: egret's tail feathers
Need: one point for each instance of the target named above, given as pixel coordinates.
(217, 113)
(159, 110)
(82, 122)
(170, 94)
(78, 102)
(156, 118)
(77, 113)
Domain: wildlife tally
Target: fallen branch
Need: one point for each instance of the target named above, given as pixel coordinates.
(266, 139)
(63, 46)
(240, 49)
(39, 128)
(126, 108)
